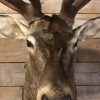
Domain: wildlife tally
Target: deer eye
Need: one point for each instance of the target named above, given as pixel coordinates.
(29, 44)
(44, 97)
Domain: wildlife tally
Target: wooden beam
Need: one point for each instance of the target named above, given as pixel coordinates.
(88, 93)
(87, 79)
(10, 93)
(87, 67)
(12, 50)
(12, 74)
(88, 51)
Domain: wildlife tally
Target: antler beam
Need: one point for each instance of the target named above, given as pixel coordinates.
(77, 5)
(20, 6)
(66, 7)
(37, 6)
(29, 11)
(71, 7)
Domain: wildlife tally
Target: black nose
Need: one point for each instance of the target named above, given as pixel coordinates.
(44, 97)
(68, 97)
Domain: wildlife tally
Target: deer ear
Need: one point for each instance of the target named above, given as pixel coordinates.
(88, 30)
(12, 28)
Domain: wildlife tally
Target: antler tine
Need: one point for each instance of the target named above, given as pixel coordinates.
(37, 6)
(77, 5)
(65, 9)
(20, 6)
(71, 7)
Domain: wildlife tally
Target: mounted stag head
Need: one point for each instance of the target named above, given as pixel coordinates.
(51, 43)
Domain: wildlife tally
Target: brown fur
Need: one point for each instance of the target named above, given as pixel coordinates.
(49, 69)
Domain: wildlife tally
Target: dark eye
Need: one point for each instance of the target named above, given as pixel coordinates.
(44, 97)
(29, 44)
(68, 97)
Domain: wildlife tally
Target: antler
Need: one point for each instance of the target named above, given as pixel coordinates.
(77, 5)
(27, 10)
(37, 6)
(65, 9)
(71, 7)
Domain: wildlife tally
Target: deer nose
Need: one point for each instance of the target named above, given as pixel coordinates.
(68, 97)
(44, 97)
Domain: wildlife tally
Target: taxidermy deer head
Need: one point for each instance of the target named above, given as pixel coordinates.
(52, 43)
